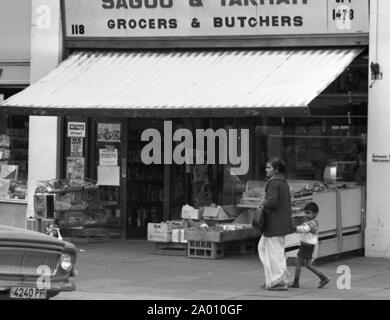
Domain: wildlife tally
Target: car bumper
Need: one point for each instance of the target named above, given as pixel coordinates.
(55, 286)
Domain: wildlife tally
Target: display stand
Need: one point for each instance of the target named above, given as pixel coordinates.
(76, 208)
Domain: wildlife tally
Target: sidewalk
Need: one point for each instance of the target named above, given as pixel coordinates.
(129, 270)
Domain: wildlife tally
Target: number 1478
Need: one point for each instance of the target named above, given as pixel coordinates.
(343, 14)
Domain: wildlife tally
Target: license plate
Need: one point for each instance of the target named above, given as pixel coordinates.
(27, 293)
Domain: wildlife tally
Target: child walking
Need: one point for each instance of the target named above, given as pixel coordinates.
(308, 239)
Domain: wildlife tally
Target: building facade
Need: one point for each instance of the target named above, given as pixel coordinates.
(209, 59)
(378, 221)
(15, 57)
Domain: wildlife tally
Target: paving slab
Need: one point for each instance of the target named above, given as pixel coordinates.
(129, 270)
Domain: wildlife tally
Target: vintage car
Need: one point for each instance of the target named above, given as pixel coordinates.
(34, 265)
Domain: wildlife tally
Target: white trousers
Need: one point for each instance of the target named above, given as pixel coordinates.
(271, 254)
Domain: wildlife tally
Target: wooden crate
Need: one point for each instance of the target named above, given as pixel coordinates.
(220, 236)
(205, 250)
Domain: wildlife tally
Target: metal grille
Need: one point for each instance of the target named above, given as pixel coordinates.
(23, 262)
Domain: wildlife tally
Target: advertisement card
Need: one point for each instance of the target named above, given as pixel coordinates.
(108, 157)
(76, 129)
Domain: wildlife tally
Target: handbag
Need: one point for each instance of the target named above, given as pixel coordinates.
(258, 219)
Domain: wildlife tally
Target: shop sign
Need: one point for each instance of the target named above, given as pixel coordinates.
(380, 157)
(188, 18)
(76, 129)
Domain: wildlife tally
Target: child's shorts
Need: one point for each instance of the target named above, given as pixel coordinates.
(306, 251)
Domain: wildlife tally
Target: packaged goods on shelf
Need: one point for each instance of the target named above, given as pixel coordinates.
(62, 205)
(5, 153)
(18, 189)
(5, 141)
(65, 185)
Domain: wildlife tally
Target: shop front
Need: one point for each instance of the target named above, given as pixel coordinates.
(158, 115)
(14, 77)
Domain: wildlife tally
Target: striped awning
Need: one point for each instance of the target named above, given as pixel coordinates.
(186, 79)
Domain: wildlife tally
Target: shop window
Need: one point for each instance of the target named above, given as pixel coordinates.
(13, 157)
(330, 150)
(246, 156)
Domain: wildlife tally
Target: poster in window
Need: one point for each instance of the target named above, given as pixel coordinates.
(108, 175)
(109, 132)
(76, 147)
(108, 157)
(75, 168)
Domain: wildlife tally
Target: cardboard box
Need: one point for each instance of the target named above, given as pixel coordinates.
(178, 236)
(188, 212)
(162, 232)
(240, 229)
(160, 237)
(253, 195)
(216, 213)
(164, 227)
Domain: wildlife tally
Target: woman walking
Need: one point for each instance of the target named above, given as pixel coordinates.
(277, 224)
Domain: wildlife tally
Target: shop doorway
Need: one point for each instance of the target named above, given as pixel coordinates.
(145, 182)
(109, 163)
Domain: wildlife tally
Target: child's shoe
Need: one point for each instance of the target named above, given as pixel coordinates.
(323, 282)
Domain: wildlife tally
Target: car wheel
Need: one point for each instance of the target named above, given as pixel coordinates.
(4, 296)
(51, 295)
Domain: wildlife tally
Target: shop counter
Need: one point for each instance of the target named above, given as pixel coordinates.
(341, 222)
(13, 213)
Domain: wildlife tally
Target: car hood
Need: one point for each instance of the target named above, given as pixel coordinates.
(8, 233)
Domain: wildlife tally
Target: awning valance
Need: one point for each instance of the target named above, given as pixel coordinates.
(218, 80)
